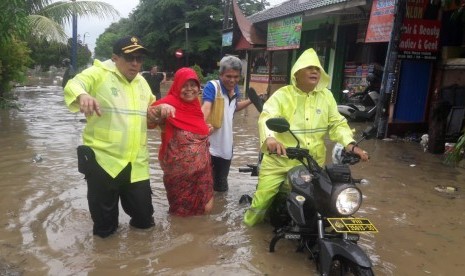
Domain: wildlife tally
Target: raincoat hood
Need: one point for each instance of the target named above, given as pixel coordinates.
(306, 59)
(107, 65)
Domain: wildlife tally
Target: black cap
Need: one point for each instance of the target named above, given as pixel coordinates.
(128, 44)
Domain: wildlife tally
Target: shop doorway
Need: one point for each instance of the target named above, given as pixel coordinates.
(413, 91)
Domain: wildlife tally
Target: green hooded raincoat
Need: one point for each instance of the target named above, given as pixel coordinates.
(311, 116)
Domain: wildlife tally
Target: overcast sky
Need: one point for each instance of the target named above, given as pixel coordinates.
(93, 27)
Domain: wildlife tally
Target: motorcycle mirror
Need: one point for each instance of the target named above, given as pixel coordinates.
(279, 125)
(369, 132)
(255, 99)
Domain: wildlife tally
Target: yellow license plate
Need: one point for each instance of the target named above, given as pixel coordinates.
(343, 225)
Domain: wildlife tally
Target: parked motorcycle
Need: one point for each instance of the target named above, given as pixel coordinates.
(315, 207)
(361, 106)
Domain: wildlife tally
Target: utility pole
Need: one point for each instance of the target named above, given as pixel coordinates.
(389, 75)
(187, 44)
(74, 41)
(226, 14)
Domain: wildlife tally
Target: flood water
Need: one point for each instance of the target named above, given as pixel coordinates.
(45, 226)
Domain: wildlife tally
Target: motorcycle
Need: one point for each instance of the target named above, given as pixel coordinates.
(315, 207)
(360, 106)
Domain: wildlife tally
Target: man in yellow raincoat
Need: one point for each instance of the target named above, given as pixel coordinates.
(114, 158)
(311, 111)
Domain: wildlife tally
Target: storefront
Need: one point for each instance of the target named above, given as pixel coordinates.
(355, 58)
(266, 77)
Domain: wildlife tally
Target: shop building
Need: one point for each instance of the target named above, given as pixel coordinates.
(352, 40)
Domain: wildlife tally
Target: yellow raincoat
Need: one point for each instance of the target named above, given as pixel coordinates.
(311, 116)
(119, 136)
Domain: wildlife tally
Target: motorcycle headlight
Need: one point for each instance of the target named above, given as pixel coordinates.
(348, 201)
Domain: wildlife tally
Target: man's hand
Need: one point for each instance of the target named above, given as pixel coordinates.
(359, 151)
(210, 129)
(88, 105)
(274, 146)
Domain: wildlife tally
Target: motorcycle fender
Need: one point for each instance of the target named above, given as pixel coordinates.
(295, 209)
(329, 248)
(344, 109)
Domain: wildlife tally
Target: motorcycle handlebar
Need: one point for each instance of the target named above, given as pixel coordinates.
(245, 170)
(350, 158)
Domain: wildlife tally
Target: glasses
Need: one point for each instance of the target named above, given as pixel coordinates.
(132, 58)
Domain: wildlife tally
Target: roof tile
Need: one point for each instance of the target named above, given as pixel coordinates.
(291, 7)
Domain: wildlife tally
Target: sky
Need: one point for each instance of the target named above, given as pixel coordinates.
(89, 29)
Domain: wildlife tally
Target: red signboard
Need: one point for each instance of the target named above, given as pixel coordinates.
(420, 39)
(381, 21)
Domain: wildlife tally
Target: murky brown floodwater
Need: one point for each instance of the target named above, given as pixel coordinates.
(45, 228)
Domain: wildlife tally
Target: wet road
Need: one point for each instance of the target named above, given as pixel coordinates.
(45, 227)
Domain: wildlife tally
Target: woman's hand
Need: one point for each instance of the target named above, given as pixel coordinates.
(165, 110)
(156, 114)
(274, 146)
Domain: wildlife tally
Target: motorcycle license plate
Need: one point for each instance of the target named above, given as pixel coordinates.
(351, 225)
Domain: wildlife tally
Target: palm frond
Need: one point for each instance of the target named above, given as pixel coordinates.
(45, 28)
(62, 12)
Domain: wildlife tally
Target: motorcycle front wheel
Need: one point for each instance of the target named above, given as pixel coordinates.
(344, 267)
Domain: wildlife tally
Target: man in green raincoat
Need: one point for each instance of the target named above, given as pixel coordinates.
(311, 111)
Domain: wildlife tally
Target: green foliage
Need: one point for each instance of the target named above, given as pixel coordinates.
(46, 54)
(212, 76)
(456, 154)
(8, 101)
(15, 58)
(13, 20)
(250, 7)
(161, 25)
(83, 56)
(199, 73)
(104, 43)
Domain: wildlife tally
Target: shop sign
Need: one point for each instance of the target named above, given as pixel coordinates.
(420, 39)
(264, 78)
(381, 21)
(284, 34)
(416, 8)
(227, 39)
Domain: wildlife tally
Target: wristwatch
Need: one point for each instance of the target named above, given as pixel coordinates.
(354, 144)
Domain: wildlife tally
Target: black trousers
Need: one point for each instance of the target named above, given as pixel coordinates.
(220, 173)
(104, 192)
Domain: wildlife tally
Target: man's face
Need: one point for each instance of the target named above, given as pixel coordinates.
(129, 64)
(154, 70)
(230, 78)
(308, 78)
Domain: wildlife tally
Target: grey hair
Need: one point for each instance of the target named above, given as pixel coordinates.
(230, 62)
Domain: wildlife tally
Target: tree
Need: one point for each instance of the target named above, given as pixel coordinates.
(47, 53)
(161, 25)
(104, 43)
(46, 18)
(250, 7)
(13, 53)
